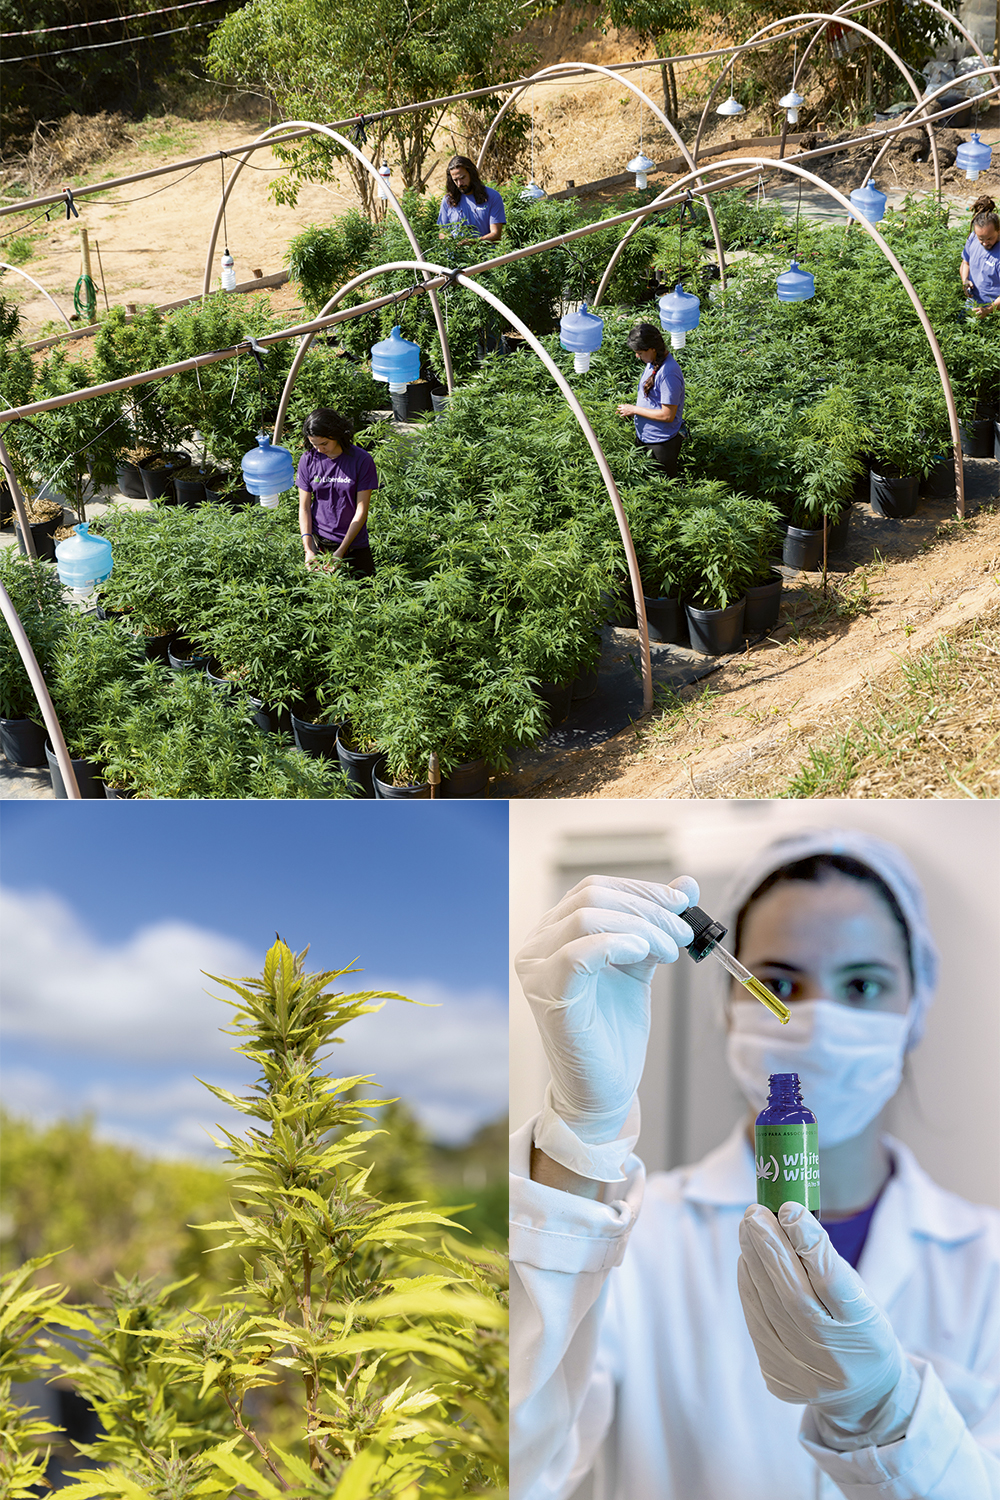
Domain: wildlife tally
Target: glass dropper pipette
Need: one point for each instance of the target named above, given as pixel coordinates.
(707, 933)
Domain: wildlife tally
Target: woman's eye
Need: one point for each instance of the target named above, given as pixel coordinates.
(863, 989)
(782, 988)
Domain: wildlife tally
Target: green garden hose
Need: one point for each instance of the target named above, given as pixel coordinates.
(85, 299)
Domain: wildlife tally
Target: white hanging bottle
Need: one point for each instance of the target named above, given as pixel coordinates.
(228, 272)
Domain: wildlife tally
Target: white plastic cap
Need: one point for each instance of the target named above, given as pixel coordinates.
(271, 501)
(640, 179)
(581, 363)
(396, 388)
(678, 339)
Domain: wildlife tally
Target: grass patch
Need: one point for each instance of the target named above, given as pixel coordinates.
(931, 728)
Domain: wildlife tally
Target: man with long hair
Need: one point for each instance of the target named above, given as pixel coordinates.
(469, 201)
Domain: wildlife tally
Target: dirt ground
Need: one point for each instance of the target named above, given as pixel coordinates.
(905, 583)
(910, 580)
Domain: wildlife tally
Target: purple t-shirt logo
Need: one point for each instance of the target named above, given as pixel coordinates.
(334, 485)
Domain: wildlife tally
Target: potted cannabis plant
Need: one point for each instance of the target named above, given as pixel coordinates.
(717, 560)
(96, 671)
(36, 593)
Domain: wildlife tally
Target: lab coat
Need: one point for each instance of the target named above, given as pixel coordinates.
(637, 1363)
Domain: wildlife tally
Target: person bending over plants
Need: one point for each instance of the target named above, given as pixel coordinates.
(980, 270)
(660, 398)
(469, 201)
(335, 479)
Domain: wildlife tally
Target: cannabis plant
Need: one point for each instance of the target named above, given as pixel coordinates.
(354, 1357)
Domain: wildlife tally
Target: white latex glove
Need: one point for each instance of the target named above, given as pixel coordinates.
(820, 1338)
(586, 971)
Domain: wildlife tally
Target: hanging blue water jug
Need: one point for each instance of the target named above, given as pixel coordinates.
(83, 560)
(268, 470)
(396, 360)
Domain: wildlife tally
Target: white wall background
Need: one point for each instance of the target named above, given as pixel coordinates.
(948, 1108)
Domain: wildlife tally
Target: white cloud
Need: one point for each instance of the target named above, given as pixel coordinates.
(130, 1014)
(142, 999)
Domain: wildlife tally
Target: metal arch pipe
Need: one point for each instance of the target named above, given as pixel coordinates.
(45, 703)
(846, 10)
(581, 417)
(657, 111)
(869, 229)
(666, 196)
(990, 68)
(405, 224)
(824, 17)
(18, 272)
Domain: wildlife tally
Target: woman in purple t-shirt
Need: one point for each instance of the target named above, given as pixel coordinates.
(660, 397)
(335, 479)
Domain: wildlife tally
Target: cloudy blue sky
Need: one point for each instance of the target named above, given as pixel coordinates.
(109, 913)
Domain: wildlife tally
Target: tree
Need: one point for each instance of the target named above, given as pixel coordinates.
(320, 62)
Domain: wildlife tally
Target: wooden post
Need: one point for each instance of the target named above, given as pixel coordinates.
(100, 265)
(434, 773)
(85, 252)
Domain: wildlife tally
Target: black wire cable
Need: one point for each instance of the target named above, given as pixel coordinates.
(138, 15)
(122, 42)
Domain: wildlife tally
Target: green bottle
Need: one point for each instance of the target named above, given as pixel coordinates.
(786, 1147)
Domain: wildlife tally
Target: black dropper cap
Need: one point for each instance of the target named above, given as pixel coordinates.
(707, 932)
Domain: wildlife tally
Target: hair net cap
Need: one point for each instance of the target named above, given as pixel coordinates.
(884, 860)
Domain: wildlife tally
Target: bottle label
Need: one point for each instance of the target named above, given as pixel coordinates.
(787, 1166)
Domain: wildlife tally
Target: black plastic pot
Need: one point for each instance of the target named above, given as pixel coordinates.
(316, 740)
(358, 765)
(117, 794)
(836, 533)
(23, 742)
(413, 402)
(156, 482)
(87, 777)
(996, 444)
(977, 437)
(557, 697)
(221, 684)
(861, 492)
(939, 483)
(189, 492)
(129, 478)
(43, 535)
(621, 607)
(894, 496)
(763, 606)
(6, 504)
(158, 646)
(183, 656)
(386, 792)
(803, 549)
(667, 617)
(272, 720)
(584, 685)
(716, 632)
(439, 401)
(238, 499)
(467, 780)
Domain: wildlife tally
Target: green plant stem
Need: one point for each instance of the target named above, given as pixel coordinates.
(249, 1433)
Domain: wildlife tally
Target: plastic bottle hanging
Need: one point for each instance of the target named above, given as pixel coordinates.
(532, 192)
(228, 271)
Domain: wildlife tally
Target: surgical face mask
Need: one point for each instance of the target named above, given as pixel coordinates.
(849, 1062)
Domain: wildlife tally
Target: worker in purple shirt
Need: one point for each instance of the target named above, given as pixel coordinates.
(468, 201)
(659, 412)
(981, 258)
(335, 479)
